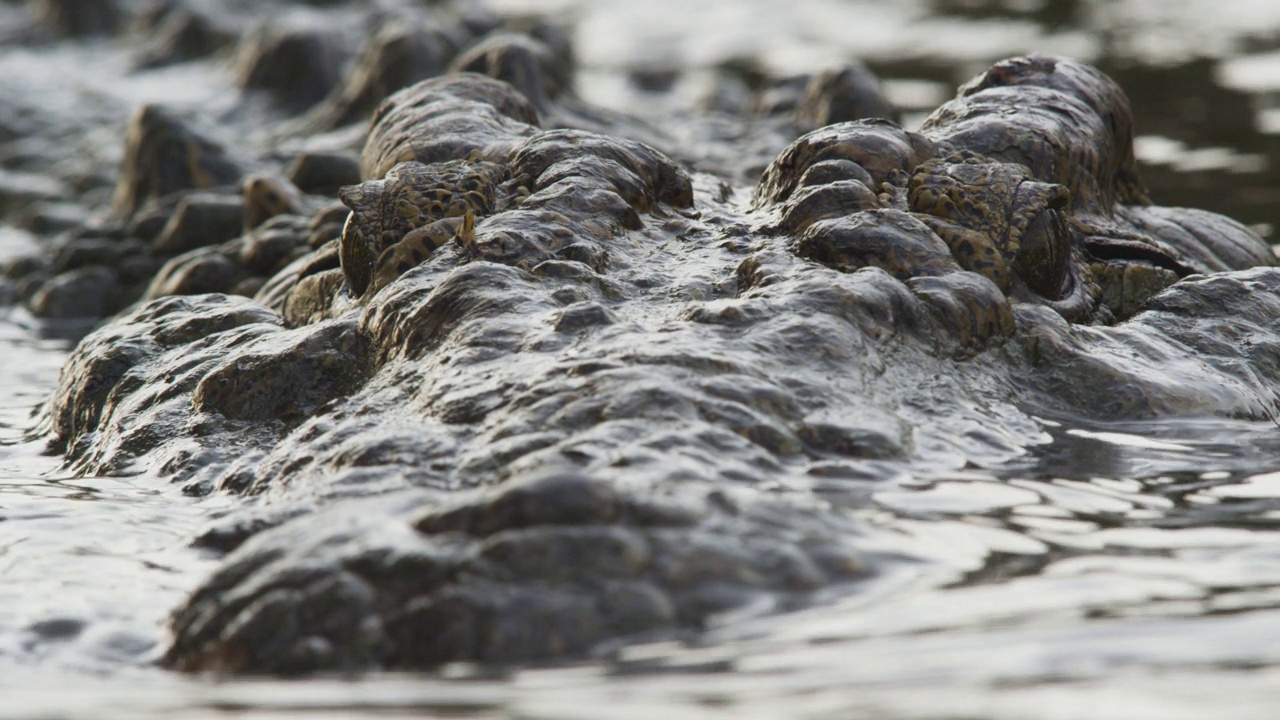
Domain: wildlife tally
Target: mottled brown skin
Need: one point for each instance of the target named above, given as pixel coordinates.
(1027, 178)
(999, 221)
(1023, 235)
(412, 196)
(418, 245)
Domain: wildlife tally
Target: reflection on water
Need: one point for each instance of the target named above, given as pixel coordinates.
(1128, 571)
(106, 558)
(88, 566)
(1067, 597)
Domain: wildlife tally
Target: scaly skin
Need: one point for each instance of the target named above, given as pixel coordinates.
(1044, 202)
(418, 245)
(1002, 223)
(989, 213)
(602, 414)
(412, 196)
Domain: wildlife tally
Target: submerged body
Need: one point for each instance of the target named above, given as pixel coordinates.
(596, 418)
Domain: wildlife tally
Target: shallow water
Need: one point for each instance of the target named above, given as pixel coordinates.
(1120, 571)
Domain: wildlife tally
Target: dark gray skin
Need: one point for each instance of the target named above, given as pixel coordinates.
(599, 417)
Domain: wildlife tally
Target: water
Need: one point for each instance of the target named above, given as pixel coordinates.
(1122, 571)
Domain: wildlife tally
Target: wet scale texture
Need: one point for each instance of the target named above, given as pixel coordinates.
(574, 426)
(611, 409)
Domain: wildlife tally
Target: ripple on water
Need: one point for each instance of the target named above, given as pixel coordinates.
(91, 568)
(88, 566)
(957, 497)
(1264, 485)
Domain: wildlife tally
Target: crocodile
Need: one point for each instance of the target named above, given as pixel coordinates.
(602, 412)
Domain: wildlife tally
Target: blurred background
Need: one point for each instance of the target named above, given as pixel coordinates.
(1203, 75)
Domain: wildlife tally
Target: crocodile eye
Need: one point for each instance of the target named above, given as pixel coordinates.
(1044, 256)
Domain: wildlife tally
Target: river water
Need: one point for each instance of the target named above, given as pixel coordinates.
(1122, 571)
